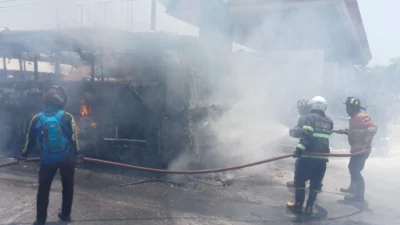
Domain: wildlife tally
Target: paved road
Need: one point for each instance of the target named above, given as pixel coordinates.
(256, 199)
(250, 200)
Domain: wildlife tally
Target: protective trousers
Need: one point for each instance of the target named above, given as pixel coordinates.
(46, 176)
(356, 165)
(309, 169)
(295, 166)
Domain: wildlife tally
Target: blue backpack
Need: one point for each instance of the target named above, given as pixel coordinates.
(53, 135)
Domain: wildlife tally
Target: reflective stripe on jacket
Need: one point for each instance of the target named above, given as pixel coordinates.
(316, 131)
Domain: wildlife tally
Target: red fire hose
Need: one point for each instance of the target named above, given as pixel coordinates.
(197, 171)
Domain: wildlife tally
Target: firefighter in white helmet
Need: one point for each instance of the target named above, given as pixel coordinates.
(314, 139)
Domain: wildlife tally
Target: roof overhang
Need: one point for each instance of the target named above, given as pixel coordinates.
(73, 42)
(246, 14)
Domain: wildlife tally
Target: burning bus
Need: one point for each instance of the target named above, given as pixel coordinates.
(136, 102)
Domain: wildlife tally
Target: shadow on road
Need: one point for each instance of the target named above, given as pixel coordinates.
(47, 223)
(319, 214)
(159, 219)
(359, 206)
(362, 206)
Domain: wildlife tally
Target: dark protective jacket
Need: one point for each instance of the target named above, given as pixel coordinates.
(315, 136)
(362, 130)
(298, 129)
(69, 129)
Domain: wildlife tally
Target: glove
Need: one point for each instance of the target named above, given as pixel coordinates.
(295, 132)
(79, 159)
(297, 153)
(291, 132)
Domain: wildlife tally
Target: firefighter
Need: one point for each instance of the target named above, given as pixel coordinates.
(361, 132)
(314, 139)
(56, 131)
(303, 109)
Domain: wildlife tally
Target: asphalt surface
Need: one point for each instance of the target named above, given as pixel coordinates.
(258, 198)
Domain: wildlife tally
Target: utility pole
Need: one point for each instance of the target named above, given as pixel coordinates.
(105, 10)
(153, 14)
(20, 61)
(81, 13)
(101, 50)
(35, 67)
(57, 18)
(56, 52)
(129, 14)
(122, 7)
(4, 65)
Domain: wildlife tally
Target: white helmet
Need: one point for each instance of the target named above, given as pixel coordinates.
(318, 103)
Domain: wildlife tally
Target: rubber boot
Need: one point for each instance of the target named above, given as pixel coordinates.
(358, 193)
(312, 196)
(297, 205)
(290, 184)
(38, 223)
(350, 189)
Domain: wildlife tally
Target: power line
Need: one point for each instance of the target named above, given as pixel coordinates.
(12, 10)
(23, 8)
(8, 1)
(12, 6)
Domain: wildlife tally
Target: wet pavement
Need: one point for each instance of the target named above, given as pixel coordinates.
(255, 199)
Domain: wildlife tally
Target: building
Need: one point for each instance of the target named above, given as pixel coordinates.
(327, 35)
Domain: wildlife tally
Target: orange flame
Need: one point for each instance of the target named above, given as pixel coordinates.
(94, 125)
(85, 110)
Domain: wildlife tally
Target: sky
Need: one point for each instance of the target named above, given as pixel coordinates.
(380, 19)
(382, 27)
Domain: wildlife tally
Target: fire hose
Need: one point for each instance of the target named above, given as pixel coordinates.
(203, 171)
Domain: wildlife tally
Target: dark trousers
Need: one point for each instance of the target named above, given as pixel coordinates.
(356, 165)
(312, 170)
(46, 176)
(295, 166)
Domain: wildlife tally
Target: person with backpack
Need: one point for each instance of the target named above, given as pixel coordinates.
(57, 133)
